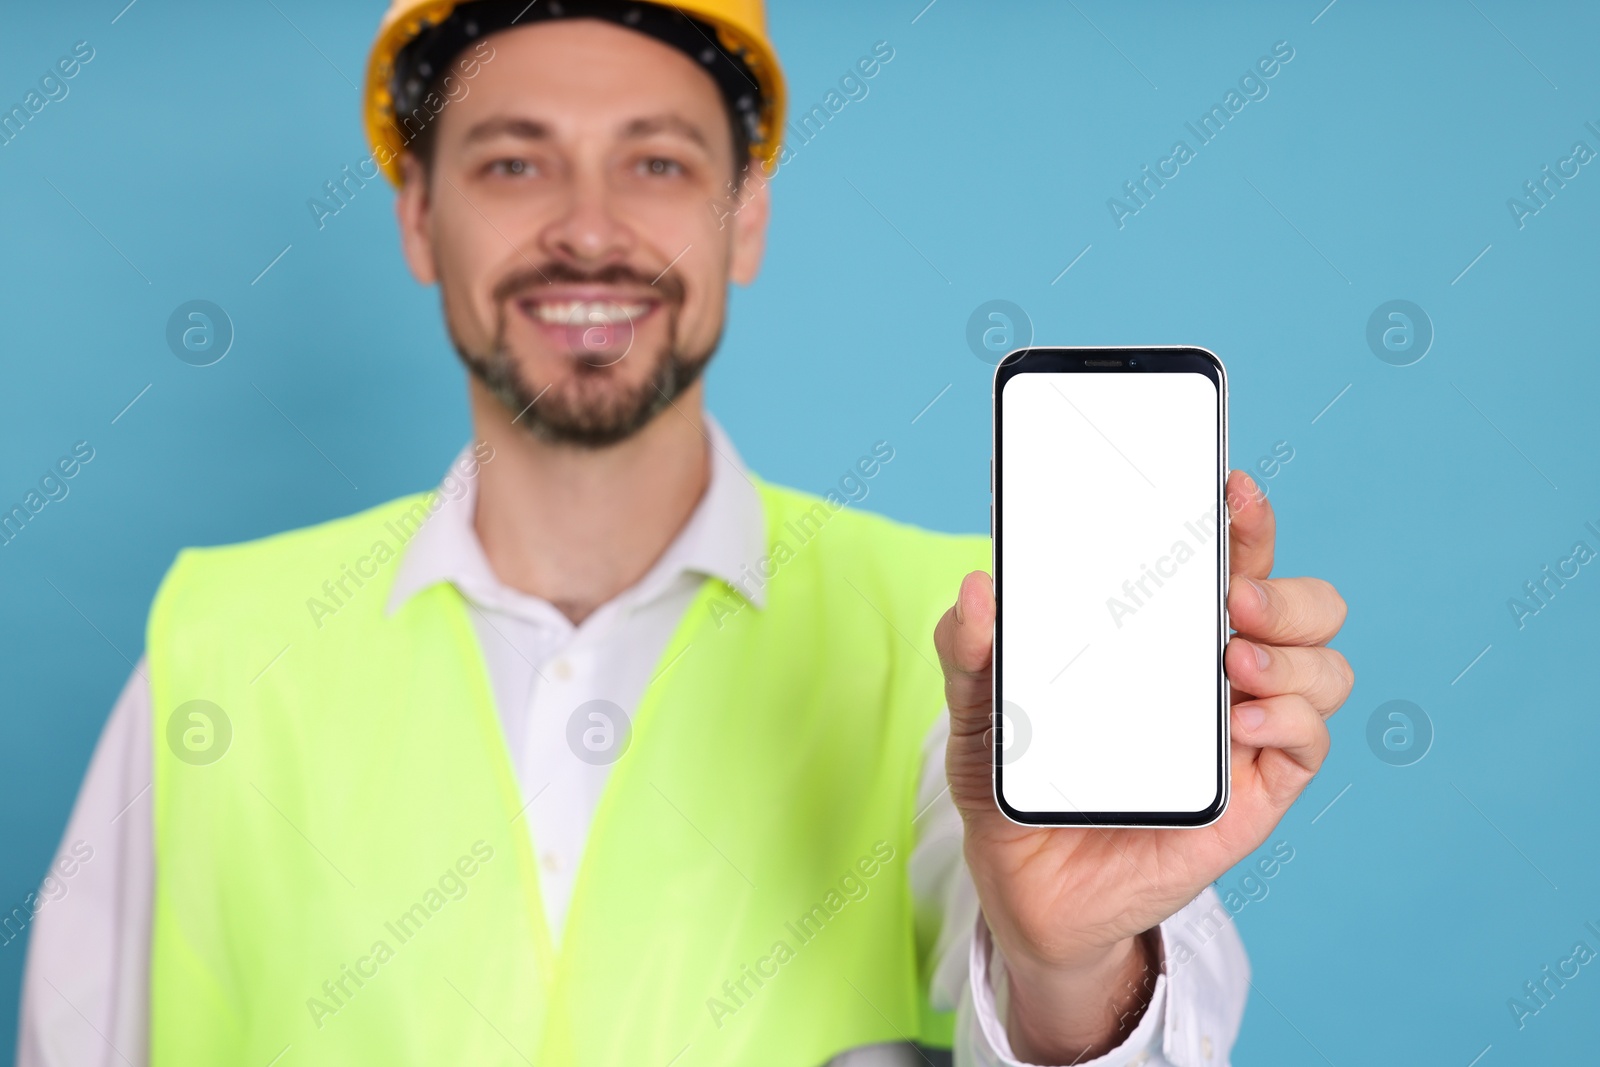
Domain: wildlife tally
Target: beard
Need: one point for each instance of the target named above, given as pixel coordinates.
(593, 408)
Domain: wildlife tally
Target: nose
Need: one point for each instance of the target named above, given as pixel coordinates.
(587, 232)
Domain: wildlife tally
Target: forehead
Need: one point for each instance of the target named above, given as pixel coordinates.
(575, 74)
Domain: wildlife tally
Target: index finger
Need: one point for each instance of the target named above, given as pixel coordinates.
(1252, 529)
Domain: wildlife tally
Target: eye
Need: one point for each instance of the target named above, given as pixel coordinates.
(661, 167)
(513, 168)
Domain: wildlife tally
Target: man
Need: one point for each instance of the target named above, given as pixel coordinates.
(610, 752)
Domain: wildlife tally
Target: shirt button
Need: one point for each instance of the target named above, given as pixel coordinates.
(562, 669)
(552, 864)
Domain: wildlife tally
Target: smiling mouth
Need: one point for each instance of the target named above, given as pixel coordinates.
(592, 328)
(587, 312)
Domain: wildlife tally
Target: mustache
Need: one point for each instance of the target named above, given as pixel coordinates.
(530, 279)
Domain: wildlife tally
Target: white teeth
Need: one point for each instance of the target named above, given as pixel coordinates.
(587, 312)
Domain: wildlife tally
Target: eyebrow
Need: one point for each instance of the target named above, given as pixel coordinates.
(533, 130)
(654, 124)
(505, 126)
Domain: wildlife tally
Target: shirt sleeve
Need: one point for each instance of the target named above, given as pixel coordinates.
(1198, 999)
(85, 988)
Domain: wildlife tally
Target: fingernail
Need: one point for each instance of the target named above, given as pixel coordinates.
(1261, 590)
(1250, 716)
(1250, 487)
(1263, 659)
(960, 615)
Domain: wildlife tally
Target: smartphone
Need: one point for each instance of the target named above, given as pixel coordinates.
(1110, 568)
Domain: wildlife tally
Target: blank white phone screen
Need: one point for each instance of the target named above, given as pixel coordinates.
(1108, 541)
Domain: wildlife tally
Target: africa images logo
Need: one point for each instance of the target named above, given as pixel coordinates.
(853, 885)
(1166, 567)
(1208, 127)
(452, 885)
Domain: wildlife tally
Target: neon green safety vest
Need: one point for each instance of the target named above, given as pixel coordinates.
(352, 881)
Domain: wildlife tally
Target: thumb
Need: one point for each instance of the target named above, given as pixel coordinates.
(964, 639)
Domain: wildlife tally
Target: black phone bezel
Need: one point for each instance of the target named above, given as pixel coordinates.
(1179, 359)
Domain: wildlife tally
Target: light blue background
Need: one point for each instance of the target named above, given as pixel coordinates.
(1416, 904)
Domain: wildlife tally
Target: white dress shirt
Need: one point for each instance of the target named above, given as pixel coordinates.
(86, 987)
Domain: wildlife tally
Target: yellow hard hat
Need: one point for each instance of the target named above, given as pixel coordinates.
(740, 27)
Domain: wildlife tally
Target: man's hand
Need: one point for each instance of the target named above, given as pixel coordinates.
(1067, 905)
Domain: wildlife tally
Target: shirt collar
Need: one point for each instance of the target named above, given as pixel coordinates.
(724, 538)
